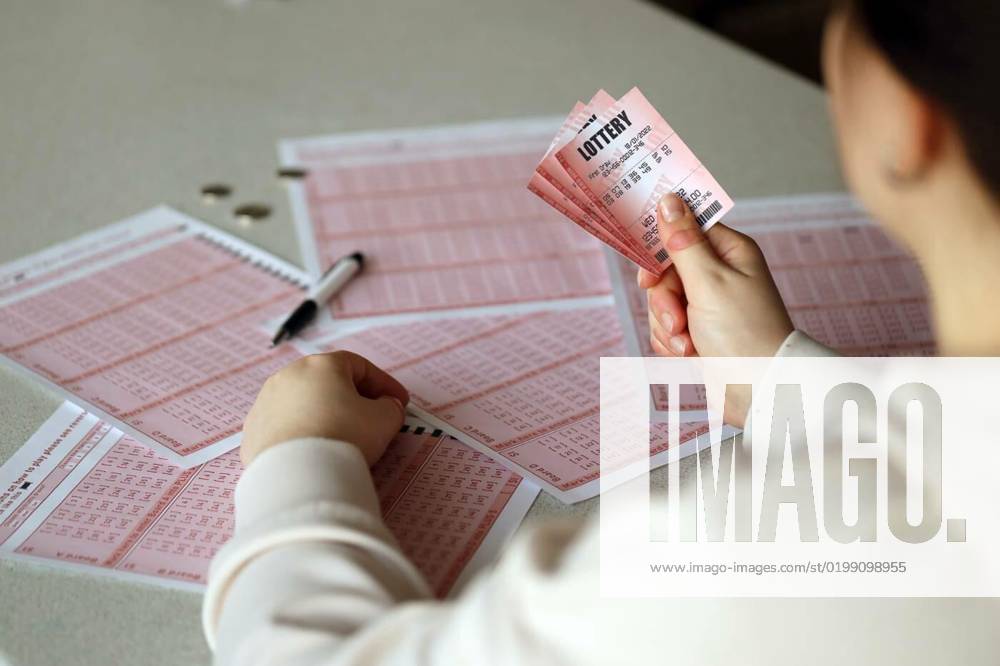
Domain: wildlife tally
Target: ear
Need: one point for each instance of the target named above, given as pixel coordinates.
(917, 131)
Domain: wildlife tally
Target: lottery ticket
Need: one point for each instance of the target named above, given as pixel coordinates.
(584, 219)
(82, 495)
(624, 160)
(564, 195)
(556, 187)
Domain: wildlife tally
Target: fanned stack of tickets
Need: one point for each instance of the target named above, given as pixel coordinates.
(608, 167)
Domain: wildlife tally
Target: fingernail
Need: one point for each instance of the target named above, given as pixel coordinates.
(402, 407)
(671, 208)
(678, 344)
(667, 320)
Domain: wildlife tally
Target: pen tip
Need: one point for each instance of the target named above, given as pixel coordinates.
(360, 258)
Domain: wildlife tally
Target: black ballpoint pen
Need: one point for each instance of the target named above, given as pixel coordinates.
(325, 288)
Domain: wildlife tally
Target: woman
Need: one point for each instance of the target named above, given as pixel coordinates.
(313, 576)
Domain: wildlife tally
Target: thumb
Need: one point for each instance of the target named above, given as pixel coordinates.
(684, 241)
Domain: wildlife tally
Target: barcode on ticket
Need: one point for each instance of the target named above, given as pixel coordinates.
(710, 211)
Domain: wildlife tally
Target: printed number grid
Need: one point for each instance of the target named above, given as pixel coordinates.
(168, 342)
(526, 387)
(108, 508)
(136, 512)
(439, 498)
(444, 233)
(189, 531)
(852, 289)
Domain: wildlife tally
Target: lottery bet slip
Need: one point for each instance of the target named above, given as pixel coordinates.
(609, 165)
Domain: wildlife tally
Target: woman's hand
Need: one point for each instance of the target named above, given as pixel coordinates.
(339, 396)
(718, 297)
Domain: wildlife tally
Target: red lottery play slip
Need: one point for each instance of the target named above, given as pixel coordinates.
(608, 167)
(81, 494)
(154, 325)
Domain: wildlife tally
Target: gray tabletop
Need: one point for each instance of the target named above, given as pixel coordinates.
(108, 107)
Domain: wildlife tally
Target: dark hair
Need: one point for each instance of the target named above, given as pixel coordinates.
(950, 51)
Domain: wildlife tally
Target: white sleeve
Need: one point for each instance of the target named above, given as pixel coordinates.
(308, 527)
(313, 576)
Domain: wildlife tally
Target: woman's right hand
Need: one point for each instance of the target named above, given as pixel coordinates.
(718, 297)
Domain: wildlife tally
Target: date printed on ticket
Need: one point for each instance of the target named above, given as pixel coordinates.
(608, 167)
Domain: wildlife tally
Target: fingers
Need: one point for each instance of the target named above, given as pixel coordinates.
(678, 345)
(667, 308)
(370, 380)
(667, 312)
(684, 240)
(668, 334)
(647, 280)
(669, 280)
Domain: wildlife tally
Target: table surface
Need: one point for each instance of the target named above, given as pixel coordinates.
(112, 106)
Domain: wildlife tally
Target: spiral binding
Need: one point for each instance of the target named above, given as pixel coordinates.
(256, 263)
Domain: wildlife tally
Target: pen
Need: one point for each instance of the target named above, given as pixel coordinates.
(332, 282)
